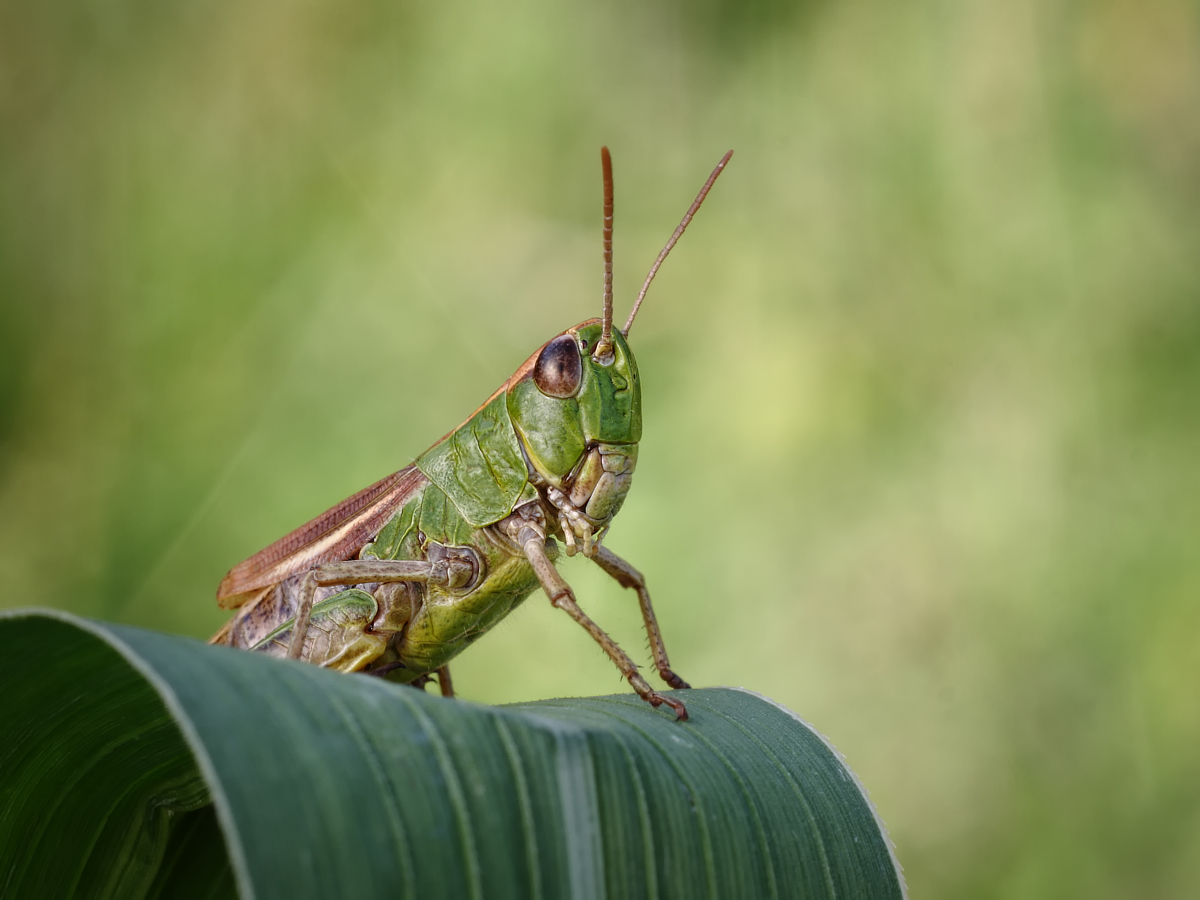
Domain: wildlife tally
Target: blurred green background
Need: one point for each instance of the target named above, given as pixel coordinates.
(920, 383)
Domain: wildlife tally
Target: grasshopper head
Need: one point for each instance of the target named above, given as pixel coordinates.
(563, 401)
(581, 389)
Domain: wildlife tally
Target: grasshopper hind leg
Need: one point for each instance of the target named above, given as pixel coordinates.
(337, 634)
(358, 571)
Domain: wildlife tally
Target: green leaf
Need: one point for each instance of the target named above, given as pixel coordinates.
(328, 785)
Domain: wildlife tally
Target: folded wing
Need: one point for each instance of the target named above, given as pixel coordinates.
(336, 534)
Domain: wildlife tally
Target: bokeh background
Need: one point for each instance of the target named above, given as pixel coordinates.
(920, 384)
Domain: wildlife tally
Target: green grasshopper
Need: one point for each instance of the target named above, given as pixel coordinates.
(398, 579)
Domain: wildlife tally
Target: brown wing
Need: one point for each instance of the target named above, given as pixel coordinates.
(336, 534)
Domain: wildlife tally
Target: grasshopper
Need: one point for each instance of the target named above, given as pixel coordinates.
(398, 579)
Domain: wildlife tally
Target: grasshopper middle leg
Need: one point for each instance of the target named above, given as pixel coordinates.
(444, 682)
(442, 672)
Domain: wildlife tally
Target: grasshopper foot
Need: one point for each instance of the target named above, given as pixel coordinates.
(674, 680)
(656, 699)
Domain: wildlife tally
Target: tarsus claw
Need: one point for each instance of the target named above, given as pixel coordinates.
(656, 699)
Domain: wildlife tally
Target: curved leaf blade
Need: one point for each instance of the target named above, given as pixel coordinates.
(92, 767)
(331, 785)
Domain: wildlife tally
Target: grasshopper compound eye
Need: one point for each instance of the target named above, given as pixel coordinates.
(559, 369)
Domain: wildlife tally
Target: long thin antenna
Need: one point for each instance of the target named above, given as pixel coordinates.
(674, 238)
(603, 349)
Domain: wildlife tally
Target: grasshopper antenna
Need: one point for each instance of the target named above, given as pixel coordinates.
(674, 238)
(603, 353)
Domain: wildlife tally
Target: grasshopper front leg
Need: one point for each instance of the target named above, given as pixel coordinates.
(629, 577)
(364, 571)
(532, 540)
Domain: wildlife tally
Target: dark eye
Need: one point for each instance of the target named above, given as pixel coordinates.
(558, 368)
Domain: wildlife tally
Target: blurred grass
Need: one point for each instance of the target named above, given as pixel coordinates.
(920, 383)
